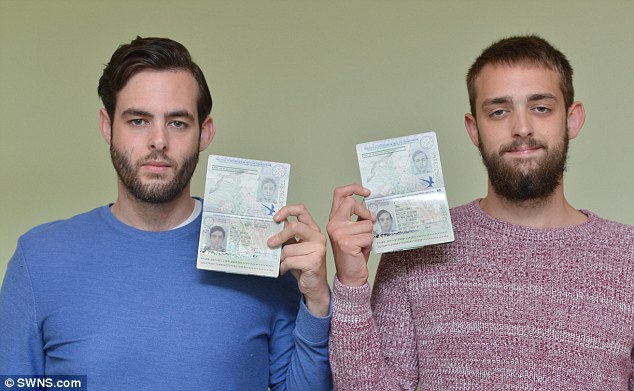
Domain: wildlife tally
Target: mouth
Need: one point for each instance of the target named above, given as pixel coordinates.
(524, 149)
(155, 166)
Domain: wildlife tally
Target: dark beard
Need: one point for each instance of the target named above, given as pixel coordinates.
(153, 193)
(515, 183)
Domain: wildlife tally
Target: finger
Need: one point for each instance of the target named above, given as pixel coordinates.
(295, 229)
(304, 264)
(356, 244)
(350, 207)
(351, 228)
(350, 237)
(303, 249)
(291, 264)
(300, 212)
(364, 214)
(343, 192)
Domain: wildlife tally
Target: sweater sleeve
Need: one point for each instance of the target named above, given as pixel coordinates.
(303, 364)
(21, 345)
(631, 381)
(372, 345)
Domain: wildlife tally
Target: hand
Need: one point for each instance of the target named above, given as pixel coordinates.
(351, 240)
(304, 254)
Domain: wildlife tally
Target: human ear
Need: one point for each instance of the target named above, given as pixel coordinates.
(105, 125)
(472, 128)
(575, 119)
(207, 133)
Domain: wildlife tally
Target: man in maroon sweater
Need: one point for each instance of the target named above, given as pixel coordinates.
(533, 294)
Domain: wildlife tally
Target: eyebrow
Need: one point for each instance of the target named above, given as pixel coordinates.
(136, 112)
(542, 96)
(508, 99)
(497, 101)
(180, 113)
(172, 114)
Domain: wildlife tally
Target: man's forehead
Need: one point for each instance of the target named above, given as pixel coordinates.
(508, 79)
(159, 92)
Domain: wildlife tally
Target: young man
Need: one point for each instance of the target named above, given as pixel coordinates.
(532, 294)
(217, 238)
(420, 162)
(267, 190)
(384, 218)
(114, 294)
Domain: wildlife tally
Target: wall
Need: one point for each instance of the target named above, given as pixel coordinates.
(301, 82)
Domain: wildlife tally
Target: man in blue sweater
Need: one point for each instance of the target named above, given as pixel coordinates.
(114, 294)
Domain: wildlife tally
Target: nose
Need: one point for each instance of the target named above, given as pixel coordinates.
(158, 139)
(522, 126)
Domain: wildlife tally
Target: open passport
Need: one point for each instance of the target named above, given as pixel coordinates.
(408, 195)
(241, 198)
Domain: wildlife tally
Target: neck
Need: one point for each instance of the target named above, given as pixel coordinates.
(149, 216)
(551, 212)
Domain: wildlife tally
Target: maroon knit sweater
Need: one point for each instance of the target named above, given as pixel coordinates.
(502, 307)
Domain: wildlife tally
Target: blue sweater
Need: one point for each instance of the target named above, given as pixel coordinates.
(128, 309)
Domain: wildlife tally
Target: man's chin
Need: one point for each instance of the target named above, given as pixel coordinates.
(148, 177)
(153, 192)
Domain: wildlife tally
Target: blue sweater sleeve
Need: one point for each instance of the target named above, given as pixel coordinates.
(308, 367)
(21, 345)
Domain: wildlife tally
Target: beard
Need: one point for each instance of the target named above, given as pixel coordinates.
(156, 193)
(522, 180)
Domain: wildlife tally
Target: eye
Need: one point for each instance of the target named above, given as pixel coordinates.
(179, 124)
(137, 122)
(541, 109)
(498, 113)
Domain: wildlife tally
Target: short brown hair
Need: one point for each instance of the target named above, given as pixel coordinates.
(155, 54)
(527, 49)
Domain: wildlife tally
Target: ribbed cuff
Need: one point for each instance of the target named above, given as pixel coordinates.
(351, 304)
(312, 328)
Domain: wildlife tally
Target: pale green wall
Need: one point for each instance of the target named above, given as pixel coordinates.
(300, 82)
